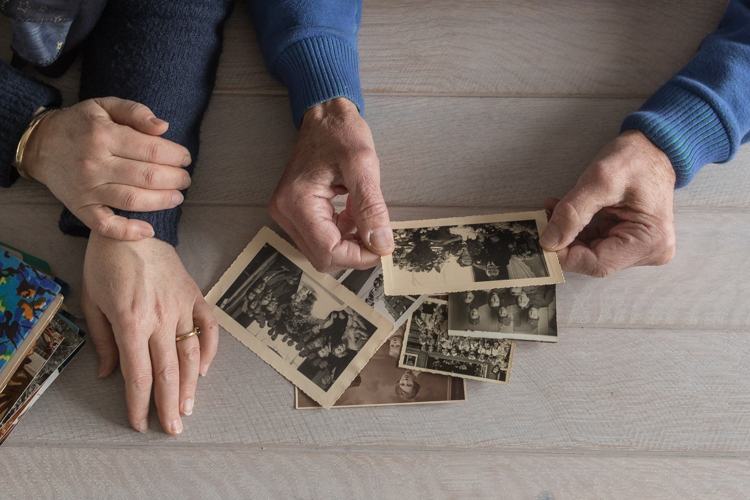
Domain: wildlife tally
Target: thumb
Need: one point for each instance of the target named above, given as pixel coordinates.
(133, 114)
(371, 218)
(574, 212)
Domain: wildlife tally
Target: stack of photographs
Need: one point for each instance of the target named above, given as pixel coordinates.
(447, 305)
(500, 285)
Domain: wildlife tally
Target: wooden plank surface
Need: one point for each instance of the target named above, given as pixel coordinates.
(706, 285)
(493, 47)
(648, 360)
(597, 390)
(211, 473)
(500, 152)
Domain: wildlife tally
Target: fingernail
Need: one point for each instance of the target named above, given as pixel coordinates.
(204, 370)
(381, 238)
(551, 237)
(177, 199)
(100, 373)
(143, 425)
(176, 427)
(147, 233)
(186, 161)
(156, 121)
(187, 407)
(185, 182)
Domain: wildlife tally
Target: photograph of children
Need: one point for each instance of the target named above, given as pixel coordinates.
(469, 253)
(520, 313)
(368, 286)
(305, 324)
(382, 382)
(427, 347)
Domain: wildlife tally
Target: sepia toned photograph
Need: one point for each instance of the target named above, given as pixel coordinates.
(427, 347)
(382, 382)
(305, 324)
(520, 313)
(368, 286)
(469, 253)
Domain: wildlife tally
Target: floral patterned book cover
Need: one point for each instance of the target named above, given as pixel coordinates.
(24, 295)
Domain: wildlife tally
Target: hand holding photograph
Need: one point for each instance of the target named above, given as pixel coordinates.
(521, 313)
(469, 253)
(303, 323)
(427, 347)
(382, 383)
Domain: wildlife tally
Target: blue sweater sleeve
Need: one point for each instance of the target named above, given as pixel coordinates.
(311, 46)
(702, 114)
(20, 97)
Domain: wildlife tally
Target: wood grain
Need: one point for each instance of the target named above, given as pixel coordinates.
(597, 390)
(705, 286)
(436, 151)
(493, 47)
(648, 360)
(211, 473)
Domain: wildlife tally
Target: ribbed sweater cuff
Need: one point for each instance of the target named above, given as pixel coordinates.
(319, 69)
(21, 96)
(164, 223)
(685, 127)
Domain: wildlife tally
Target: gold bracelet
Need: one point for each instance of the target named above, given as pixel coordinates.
(25, 138)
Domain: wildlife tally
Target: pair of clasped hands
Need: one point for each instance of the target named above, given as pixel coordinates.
(138, 297)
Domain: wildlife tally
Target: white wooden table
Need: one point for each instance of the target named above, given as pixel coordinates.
(476, 106)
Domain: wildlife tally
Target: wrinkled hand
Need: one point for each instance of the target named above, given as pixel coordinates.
(137, 298)
(105, 153)
(619, 214)
(334, 154)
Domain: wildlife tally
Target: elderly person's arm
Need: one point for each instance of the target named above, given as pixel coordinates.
(619, 214)
(312, 48)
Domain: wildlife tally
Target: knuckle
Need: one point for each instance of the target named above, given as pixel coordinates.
(102, 225)
(374, 209)
(150, 176)
(132, 200)
(568, 214)
(169, 374)
(192, 354)
(365, 157)
(603, 270)
(601, 174)
(141, 382)
(153, 151)
(211, 324)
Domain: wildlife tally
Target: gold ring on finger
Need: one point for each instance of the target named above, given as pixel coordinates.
(196, 331)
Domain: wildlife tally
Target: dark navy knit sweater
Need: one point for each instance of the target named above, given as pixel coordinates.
(164, 54)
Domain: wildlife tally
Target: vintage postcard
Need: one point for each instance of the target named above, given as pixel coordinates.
(469, 253)
(382, 382)
(305, 324)
(427, 347)
(368, 286)
(521, 313)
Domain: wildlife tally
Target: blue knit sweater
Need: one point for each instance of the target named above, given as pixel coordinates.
(164, 54)
(702, 114)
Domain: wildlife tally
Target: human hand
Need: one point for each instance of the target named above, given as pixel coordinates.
(105, 153)
(137, 298)
(334, 154)
(619, 214)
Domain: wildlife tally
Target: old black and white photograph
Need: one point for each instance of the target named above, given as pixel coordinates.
(520, 313)
(469, 253)
(382, 382)
(368, 286)
(274, 302)
(427, 347)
